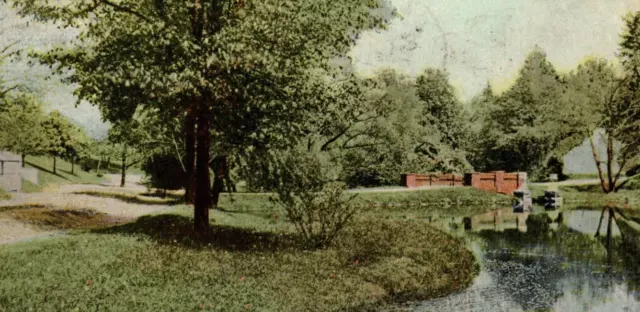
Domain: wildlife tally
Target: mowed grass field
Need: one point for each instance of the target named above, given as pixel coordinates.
(63, 175)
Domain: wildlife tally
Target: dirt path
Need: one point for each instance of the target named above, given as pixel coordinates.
(80, 196)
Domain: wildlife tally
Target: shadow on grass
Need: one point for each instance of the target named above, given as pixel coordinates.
(27, 206)
(131, 199)
(591, 188)
(46, 170)
(75, 173)
(178, 230)
(65, 219)
(175, 197)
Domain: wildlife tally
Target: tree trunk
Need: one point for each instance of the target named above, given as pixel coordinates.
(600, 222)
(23, 156)
(609, 249)
(108, 164)
(190, 158)
(219, 169)
(597, 160)
(123, 168)
(203, 181)
(610, 161)
(54, 165)
(73, 163)
(99, 163)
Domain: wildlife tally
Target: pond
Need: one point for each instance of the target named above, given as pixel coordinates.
(563, 268)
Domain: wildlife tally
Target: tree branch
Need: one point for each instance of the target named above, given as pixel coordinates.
(124, 9)
(4, 92)
(597, 160)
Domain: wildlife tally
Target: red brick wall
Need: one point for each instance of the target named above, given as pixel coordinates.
(497, 181)
(418, 180)
(513, 181)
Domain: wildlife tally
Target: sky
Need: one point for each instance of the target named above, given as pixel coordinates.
(52, 92)
(480, 41)
(476, 41)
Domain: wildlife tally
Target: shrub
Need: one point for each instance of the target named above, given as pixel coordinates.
(88, 164)
(632, 185)
(315, 205)
(318, 216)
(164, 172)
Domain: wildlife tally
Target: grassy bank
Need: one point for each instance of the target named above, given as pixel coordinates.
(448, 202)
(4, 195)
(592, 196)
(63, 175)
(158, 264)
(251, 260)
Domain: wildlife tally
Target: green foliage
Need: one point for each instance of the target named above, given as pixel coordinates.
(164, 172)
(608, 103)
(4, 195)
(314, 204)
(131, 144)
(102, 153)
(443, 110)
(529, 125)
(59, 133)
(318, 217)
(21, 129)
(377, 128)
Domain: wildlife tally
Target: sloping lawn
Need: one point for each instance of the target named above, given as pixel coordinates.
(46, 177)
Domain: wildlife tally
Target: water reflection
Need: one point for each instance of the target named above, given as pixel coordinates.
(586, 221)
(558, 268)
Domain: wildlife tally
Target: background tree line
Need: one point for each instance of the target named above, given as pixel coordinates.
(218, 92)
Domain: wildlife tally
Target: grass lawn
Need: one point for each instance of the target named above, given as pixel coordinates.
(251, 260)
(4, 195)
(462, 201)
(46, 177)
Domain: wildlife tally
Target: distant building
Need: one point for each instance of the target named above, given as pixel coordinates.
(580, 159)
(10, 172)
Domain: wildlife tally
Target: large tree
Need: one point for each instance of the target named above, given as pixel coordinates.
(58, 131)
(443, 111)
(203, 54)
(608, 101)
(524, 127)
(21, 128)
